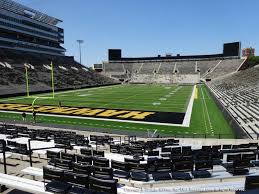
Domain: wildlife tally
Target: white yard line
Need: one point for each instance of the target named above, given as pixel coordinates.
(206, 108)
(204, 116)
(13, 99)
(188, 113)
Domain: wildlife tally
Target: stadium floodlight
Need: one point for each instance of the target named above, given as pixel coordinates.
(79, 43)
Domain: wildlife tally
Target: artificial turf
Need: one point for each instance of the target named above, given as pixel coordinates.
(206, 119)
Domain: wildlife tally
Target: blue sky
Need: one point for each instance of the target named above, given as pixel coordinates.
(152, 27)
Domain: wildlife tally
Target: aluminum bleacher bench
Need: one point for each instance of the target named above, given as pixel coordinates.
(22, 184)
(33, 171)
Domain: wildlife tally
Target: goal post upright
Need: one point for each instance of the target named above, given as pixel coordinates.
(27, 80)
(52, 80)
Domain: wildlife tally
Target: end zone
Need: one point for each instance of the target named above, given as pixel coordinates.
(108, 114)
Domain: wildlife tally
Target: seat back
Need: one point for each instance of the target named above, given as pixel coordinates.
(204, 165)
(67, 156)
(114, 149)
(77, 179)
(129, 160)
(227, 147)
(101, 162)
(137, 167)
(153, 153)
(81, 169)
(186, 150)
(183, 166)
(216, 147)
(249, 157)
(102, 171)
(64, 164)
(98, 153)
(51, 154)
(252, 182)
(84, 159)
(232, 157)
(163, 164)
(52, 174)
(166, 149)
(120, 165)
(100, 185)
(241, 164)
(87, 152)
(176, 151)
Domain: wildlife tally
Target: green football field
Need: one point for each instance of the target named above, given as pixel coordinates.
(133, 97)
(206, 118)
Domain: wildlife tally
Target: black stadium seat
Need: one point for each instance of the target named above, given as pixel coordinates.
(163, 165)
(166, 149)
(67, 156)
(105, 186)
(181, 176)
(84, 159)
(161, 176)
(64, 164)
(138, 167)
(201, 169)
(121, 174)
(232, 157)
(130, 160)
(254, 191)
(183, 166)
(56, 178)
(252, 182)
(240, 167)
(79, 180)
(249, 157)
(102, 171)
(51, 154)
(153, 153)
(120, 169)
(101, 162)
(81, 169)
(119, 165)
(98, 153)
(176, 151)
(139, 176)
(87, 152)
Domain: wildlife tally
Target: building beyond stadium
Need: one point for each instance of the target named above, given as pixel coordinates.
(25, 29)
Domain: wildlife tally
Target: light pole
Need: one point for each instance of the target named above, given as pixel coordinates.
(79, 43)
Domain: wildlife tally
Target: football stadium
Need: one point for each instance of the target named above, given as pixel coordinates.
(129, 125)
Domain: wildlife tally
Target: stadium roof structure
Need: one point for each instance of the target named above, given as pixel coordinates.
(28, 12)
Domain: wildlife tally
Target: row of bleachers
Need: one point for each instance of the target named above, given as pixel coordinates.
(187, 67)
(83, 163)
(149, 68)
(166, 68)
(239, 93)
(67, 72)
(114, 67)
(206, 68)
(225, 67)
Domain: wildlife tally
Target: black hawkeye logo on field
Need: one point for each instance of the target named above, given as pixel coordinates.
(120, 114)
